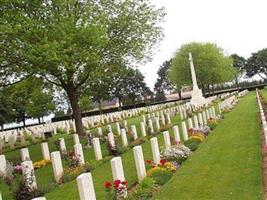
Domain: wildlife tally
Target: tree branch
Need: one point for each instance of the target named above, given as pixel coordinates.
(83, 81)
(53, 82)
(261, 76)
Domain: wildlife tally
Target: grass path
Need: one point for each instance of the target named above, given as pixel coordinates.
(227, 165)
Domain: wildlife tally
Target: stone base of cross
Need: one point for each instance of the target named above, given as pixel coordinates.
(197, 98)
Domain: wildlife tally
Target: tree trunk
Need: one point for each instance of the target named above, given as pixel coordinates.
(76, 111)
(180, 94)
(2, 127)
(236, 81)
(24, 120)
(208, 90)
(203, 90)
(99, 106)
(39, 120)
(119, 98)
(213, 89)
(133, 102)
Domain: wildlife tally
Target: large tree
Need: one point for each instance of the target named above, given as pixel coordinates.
(163, 84)
(65, 41)
(257, 64)
(239, 63)
(134, 86)
(211, 65)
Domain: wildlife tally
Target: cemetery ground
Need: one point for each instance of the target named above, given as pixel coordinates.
(227, 164)
(102, 173)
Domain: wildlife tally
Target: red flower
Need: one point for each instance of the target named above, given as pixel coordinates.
(190, 130)
(124, 182)
(108, 184)
(116, 183)
(163, 161)
(149, 161)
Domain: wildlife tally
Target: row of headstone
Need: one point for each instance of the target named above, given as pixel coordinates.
(243, 93)
(262, 116)
(85, 181)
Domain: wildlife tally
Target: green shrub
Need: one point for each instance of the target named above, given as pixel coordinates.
(144, 190)
(161, 177)
(192, 144)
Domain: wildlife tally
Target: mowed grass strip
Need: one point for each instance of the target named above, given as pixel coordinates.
(227, 165)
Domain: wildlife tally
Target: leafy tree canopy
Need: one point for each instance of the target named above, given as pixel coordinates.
(65, 41)
(257, 64)
(211, 65)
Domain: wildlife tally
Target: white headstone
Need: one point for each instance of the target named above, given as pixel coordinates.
(97, 148)
(162, 119)
(185, 133)
(200, 120)
(204, 118)
(213, 111)
(190, 123)
(118, 128)
(57, 166)
(45, 151)
(134, 132)
(125, 125)
(28, 174)
(181, 114)
(124, 138)
(38, 198)
(150, 125)
(208, 114)
(76, 138)
(176, 134)
(157, 124)
(2, 165)
(167, 140)
(99, 131)
(62, 145)
(196, 121)
(117, 169)
(24, 153)
(168, 119)
(86, 187)
(155, 150)
(139, 163)
(78, 149)
(143, 128)
(111, 139)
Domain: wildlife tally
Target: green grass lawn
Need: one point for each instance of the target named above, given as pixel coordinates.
(228, 163)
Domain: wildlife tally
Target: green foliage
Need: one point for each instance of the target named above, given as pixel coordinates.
(40, 103)
(68, 42)
(129, 85)
(161, 177)
(163, 83)
(192, 144)
(211, 65)
(144, 190)
(85, 103)
(257, 64)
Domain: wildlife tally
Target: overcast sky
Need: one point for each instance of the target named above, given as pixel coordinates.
(237, 26)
